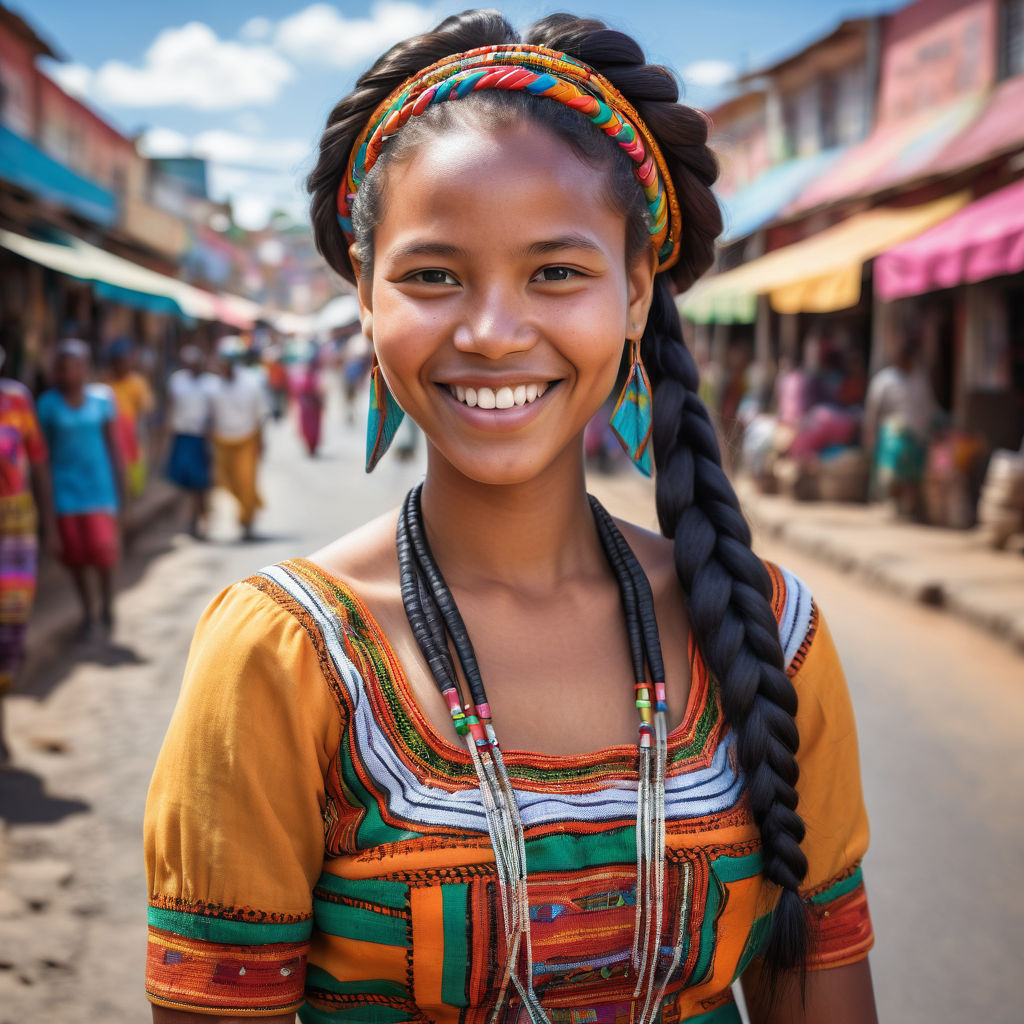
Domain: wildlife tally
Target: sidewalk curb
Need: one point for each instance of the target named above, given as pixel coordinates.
(55, 614)
(904, 559)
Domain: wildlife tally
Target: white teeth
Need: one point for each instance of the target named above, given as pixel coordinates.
(505, 397)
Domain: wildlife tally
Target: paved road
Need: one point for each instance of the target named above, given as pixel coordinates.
(940, 709)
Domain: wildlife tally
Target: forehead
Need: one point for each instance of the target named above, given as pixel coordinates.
(497, 182)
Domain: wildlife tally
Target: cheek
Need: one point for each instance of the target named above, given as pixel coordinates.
(404, 340)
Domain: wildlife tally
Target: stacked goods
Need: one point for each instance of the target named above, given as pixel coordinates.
(843, 474)
(1001, 508)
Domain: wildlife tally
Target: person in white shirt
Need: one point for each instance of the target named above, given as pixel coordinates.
(238, 410)
(190, 392)
(898, 412)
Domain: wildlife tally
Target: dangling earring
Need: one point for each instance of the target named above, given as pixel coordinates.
(385, 416)
(631, 418)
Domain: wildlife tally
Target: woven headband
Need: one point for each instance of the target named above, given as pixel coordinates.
(542, 72)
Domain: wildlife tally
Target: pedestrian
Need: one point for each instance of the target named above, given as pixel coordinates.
(239, 409)
(77, 419)
(134, 399)
(332, 825)
(309, 400)
(277, 380)
(355, 372)
(898, 412)
(190, 394)
(26, 514)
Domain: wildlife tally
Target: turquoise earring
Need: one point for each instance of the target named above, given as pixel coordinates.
(385, 416)
(631, 418)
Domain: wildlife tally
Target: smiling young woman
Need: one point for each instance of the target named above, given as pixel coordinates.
(497, 756)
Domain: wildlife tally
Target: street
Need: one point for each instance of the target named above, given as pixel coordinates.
(940, 710)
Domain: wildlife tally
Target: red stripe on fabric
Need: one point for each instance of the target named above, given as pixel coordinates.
(843, 932)
(191, 973)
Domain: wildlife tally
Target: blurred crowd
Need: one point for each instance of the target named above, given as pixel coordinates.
(74, 462)
(820, 427)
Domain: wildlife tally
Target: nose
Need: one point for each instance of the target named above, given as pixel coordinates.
(497, 324)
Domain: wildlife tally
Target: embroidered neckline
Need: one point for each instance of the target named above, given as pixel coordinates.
(691, 743)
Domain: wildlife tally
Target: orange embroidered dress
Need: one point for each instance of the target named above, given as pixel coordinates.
(313, 844)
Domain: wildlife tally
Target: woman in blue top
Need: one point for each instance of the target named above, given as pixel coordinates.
(77, 419)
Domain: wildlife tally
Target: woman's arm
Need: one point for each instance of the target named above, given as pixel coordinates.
(162, 1015)
(838, 995)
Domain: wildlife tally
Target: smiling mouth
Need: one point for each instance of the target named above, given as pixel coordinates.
(507, 397)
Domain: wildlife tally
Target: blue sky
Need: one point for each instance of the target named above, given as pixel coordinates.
(249, 85)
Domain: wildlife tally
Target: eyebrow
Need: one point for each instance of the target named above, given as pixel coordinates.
(542, 248)
(570, 241)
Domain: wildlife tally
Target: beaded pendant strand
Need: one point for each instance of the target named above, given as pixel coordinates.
(435, 620)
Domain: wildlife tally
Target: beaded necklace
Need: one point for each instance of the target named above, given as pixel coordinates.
(435, 620)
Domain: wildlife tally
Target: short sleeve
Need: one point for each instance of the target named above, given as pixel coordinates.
(831, 800)
(234, 818)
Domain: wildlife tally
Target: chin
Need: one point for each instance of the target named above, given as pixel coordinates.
(507, 468)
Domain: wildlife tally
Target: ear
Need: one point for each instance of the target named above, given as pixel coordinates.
(641, 292)
(364, 293)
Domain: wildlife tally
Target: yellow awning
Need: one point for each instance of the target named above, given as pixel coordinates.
(820, 274)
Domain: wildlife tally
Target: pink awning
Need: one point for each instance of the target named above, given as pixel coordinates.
(893, 154)
(983, 240)
(998, 129)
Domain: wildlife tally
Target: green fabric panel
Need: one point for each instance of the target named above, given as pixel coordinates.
(728, 1014)
(369, 890)
(373, 830)
(318, 978)
(231, 933)
(755, 943)
(364, 925)
(366, 1014)
(454, 900)
(706, 947)
(833, 892)
(554, 852)
(734, 869)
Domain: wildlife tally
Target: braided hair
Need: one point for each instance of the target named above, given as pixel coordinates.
(727, 586)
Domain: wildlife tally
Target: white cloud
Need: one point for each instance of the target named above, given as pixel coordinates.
(229, 149)
(249, 123)
(191, 67)
(72, 78)
(164, 142)
(709, 74)
(322, 34)
(256, 28)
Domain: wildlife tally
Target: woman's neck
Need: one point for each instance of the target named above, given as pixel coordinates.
(528, 536)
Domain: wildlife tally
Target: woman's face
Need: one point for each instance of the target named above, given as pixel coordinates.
(70, 372)
(500, 298)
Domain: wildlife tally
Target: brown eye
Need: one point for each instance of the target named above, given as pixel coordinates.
(556, 274)
(433, 277)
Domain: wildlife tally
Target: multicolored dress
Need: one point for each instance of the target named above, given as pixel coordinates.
(313, 843)
(21, 446)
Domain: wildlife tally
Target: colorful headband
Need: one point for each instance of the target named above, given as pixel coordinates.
(541, 72)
